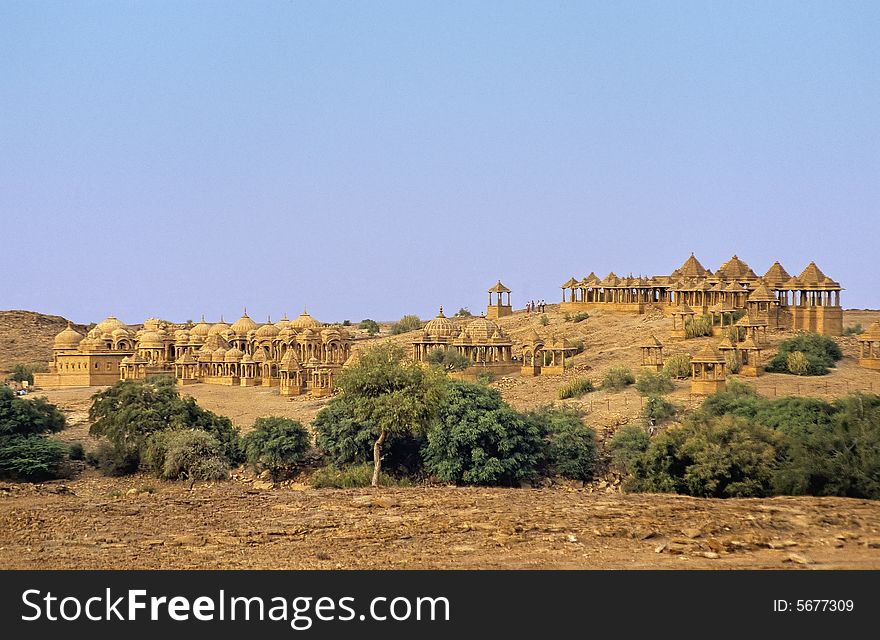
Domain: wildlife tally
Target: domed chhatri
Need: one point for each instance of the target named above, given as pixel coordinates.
(243, 354)
(808, 302)
(869, 347)
(481, 341)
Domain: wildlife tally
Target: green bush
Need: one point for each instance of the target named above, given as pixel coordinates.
(580, 317)
(697, 327)
(346, 323)
(566, 317)
(448, 359)
(20, 417)
(732, 361)
(820, 352)
(721, 457)
(797, 363)
(192, 454)
(276, 444)
(626, 446)
(352, 477)
(370, 326)
(738, 399)
(571, 445)
(31, 458)
(616, 378)
(347, 440)
(650, 383)
(464, 312)
(578, 346)
(25, 453)
(406, 324)
(576, 388)
(544, 320)
(678, 366)
(112, 460)
(76, 451)
(657, 409)
(22, 372)
(853, 330)
(130, 412)
(480, 440)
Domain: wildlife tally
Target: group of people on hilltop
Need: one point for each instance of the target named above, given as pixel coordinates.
(532, 306)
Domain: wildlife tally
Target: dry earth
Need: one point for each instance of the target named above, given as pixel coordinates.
(93, 522)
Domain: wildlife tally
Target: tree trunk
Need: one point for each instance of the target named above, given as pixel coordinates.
(377, 458)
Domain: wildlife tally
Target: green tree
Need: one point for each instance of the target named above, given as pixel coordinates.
(276, 444)
(571, 445)
(627, 445)
(448, 359)
(406, 324)
(481, 440)
(25, 452)
(654, 384)
(392, 393)
(370, 326)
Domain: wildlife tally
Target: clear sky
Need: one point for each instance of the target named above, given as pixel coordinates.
(370, 159)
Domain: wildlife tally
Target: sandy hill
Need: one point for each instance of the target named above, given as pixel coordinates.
(26, 336)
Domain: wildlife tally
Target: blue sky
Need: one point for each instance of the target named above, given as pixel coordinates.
(370, 159)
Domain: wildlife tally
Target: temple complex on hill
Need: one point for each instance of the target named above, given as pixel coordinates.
(810, 301)
(298, 356)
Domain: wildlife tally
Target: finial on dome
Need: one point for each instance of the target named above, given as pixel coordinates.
(69, 324)
(269, 319)
(441, 309)
(245, 311)
(284, 317)
(203, 317)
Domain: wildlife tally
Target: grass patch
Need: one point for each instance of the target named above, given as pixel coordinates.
(353, 477)
(576, 388)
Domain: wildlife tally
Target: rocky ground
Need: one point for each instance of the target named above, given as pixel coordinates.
(139, 523)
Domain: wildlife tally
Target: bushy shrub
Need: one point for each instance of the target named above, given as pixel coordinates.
(576, 388)
(820, 352)
(721, 457)
(616, 378)
(657, 409)
(698, 326)
(347, 441)
(406, 324)
(346, 323)
(481, 440)
(112, 460)
(853, 330)
(276, 444)
(732, 361)
(25, 453)
(738, 399)
(448, 359)
(678, 366)
(370, 326)
(650, 383)
(544, 320)
(627, 445)
(24, 372)
(76, 451)
(578, 346)
(352, 477)
(580, 316)
(31, 458)
(464, 312)
(571, 445)
(130, 412)
(797, 363)
(192, 454)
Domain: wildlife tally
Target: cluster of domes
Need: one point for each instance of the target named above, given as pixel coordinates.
(479, 331)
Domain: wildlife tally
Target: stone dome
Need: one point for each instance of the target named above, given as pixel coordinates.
(284, 323)
(201, 329)
(305, 321)
(243, 325)
(110, 324)
(218, 355)
(150, 340)
(120, 333)
(268, 330)
(233, 355)
(481, 329)
(440, 327)
(218, 328)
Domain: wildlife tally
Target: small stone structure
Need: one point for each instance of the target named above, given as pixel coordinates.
(498, 309)
(652, 354)
(708, 371)
(869, 347)
(481, 341)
